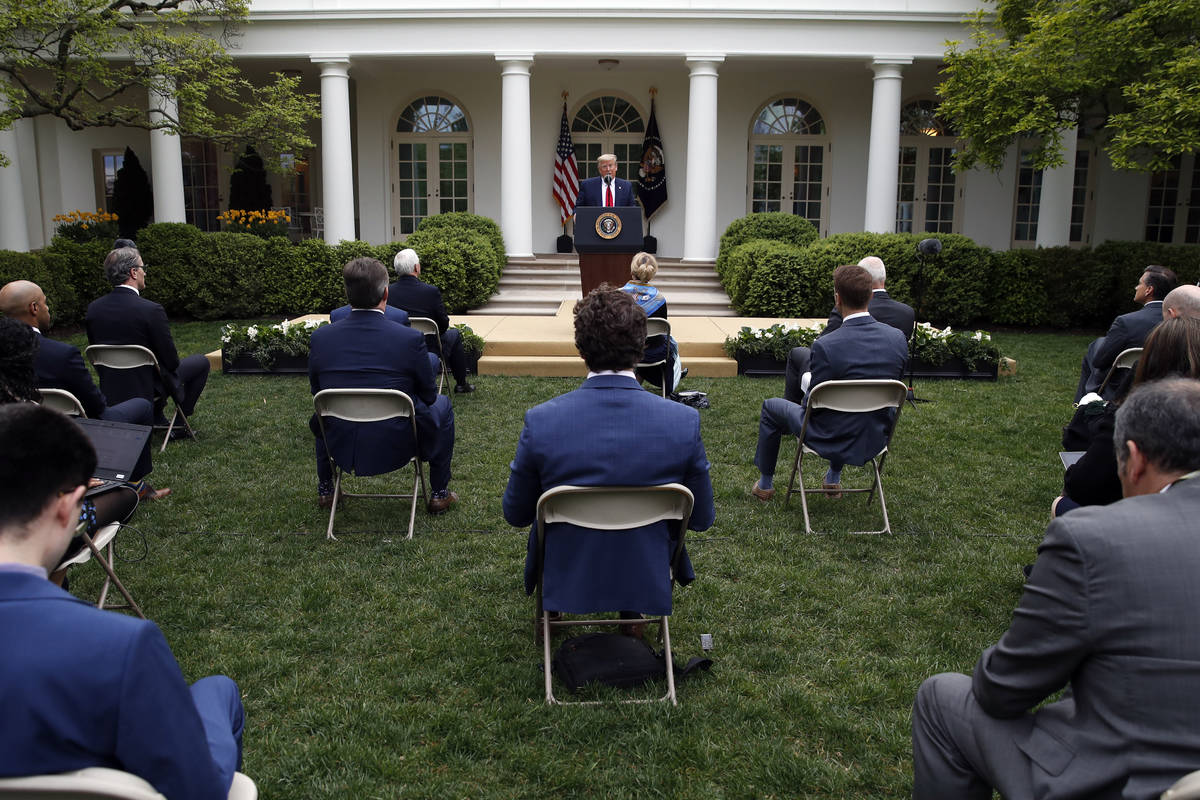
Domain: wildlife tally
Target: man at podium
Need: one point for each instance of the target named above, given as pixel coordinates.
(607, 189)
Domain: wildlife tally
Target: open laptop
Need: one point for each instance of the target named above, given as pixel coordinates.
(118, 446)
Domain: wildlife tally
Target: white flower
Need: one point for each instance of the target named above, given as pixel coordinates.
(252, 331)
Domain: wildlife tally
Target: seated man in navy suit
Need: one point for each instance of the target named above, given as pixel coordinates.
(1127, 330)
(420, 299)
(58, 365)
(862, 347)
(83, 687)
(882, 307)
(123, 316)
(608, 432)
(606, 189)
(366, 351)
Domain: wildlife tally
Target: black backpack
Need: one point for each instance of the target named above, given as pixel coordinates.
(615, 660)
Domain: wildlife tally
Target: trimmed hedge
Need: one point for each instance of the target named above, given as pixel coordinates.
(461, 264)
(774, 226)
(60, 295)
(462, 221)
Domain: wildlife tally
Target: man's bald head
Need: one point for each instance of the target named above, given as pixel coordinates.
(25, 301)
(1182, 301)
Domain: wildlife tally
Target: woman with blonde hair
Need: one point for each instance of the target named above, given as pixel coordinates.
(642, 270)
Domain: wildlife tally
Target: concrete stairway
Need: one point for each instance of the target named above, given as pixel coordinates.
(538, 286)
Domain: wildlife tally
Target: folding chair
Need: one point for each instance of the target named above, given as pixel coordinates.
(428, 327)
(63, 402)
(855, 397)
(609, 508)
(1126, 359)
(369, 405)
(134, 356)
(103, 540)
(659, 330)
(102, 783)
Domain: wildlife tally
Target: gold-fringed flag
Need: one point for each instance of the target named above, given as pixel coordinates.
(652, 174)
(566, 171)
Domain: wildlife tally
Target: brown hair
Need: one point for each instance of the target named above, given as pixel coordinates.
(610, 329)
(853, 285)
(1172, 348)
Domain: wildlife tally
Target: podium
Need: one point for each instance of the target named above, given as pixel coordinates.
(606, 240)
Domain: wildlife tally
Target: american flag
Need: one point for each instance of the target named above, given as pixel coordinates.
(566, 171)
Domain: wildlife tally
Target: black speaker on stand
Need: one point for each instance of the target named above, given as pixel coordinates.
(926, 248)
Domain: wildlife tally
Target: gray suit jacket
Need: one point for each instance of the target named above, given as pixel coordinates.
(1111, 611)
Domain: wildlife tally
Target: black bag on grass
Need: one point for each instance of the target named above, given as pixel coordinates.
(614, 660)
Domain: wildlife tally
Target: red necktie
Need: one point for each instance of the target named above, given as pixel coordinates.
(608, 200)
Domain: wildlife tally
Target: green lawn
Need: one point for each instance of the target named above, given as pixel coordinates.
(374, 667)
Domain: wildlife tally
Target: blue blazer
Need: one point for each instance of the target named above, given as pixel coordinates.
(860, 348)
(591, 192)
(123, 317)
(419, 299)
(389, 312)
(59, 365)
(82, 687)
(366, 351)
(608, 432)
(883, 308)
(1127, 330)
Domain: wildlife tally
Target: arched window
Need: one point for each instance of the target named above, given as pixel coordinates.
(926, 189)
(431, 154)
(789, 145)
(608, 124)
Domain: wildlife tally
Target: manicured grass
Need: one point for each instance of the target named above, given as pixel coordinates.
(379, 667)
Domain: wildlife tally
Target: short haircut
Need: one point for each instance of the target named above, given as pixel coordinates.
(366, 280)
(1163, 418)
(643, 268)
(45, 453)
(853, 284)
(18, 347)
(405, 262)
(874, 265)
(1171, 350)
(1161, 279)
(119, 263)
(606, 157)
(610, 329)
(1184, 299)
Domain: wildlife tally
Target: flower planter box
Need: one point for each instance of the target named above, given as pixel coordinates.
(280, 365)
(759, 366)
(954, 368)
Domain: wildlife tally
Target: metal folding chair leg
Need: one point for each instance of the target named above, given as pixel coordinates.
(171, 426)
(876, 486)
(111, 577)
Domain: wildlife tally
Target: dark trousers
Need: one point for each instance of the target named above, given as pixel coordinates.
(139, 411)
(191, 376)
(452, 349)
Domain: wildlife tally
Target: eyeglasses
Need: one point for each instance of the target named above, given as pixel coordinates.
(143, 269)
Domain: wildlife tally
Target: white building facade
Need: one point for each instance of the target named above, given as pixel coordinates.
(765, 105)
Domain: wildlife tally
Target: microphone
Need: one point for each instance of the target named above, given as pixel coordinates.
(929, 247)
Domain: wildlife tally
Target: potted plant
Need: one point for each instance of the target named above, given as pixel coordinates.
(946, 353)
(275, 349)
(473, 345)
(764, 351)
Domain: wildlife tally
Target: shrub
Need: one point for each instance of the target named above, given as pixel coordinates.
(265, 224)
(60, 295)
(462, 221)
(774, 342)
(86, 226)
(167, 248)
(79, 267)
(227, 272)
(1017, 287)
(291, 277)
(776, 281)
(460, 263)
(1127, 260)
(133, 197)
(775, 226)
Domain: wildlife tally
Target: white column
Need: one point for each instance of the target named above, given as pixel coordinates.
(516, 179)
(1058, 184)
(883, 155)
(700, 198)
(166, 162)
(14, 233)
(337, 166)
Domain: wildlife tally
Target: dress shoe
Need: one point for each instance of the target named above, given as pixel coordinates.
(463, 388)
(146, 492)
(438, 505)
(762, 494)
(325, 501)
(832, 490)
(683, 373)
(179, 432)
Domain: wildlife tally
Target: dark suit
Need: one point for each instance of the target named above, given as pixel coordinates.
(882, 307)
(124, 317)
(88, 688)
(390, 312)
(608, 432)
(591, 192)
(861, 348)
(422, 299)
(366, 351)
(1109, 611)
(58, 365)
(1128, 330)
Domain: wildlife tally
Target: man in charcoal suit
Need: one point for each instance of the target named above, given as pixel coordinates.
(882, 307)
(420, 299)
(606, 189)
(1108, 614)
(123, 316)
(1127, 330)
(861, 347)
(367, 351)
(83, 687)
(608, 432)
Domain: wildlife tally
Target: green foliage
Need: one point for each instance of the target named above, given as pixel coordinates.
(460, 262)
(133, 197)
(775, 279)
(776, 226)
(472, 342)
(773, 342)
(265, 343)
(462, 221)
(227, 270)
(166, 249)
(937, 346)
(78, 269)
(86, 226)
(1127, 261)
(1128, 69)
(60, 294)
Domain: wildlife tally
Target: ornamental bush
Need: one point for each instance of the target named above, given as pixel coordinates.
(462, 221)
(773, 279)
(60, 295)
(166, 248)
(1127, 260)
(460, 263)
(774, 226)
(78, 270)
(227, 276)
